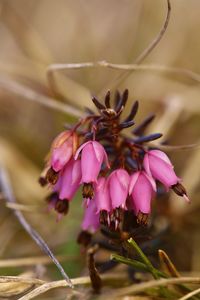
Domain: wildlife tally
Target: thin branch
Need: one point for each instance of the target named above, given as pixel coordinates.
(137, 288)
(128, 67)
(190, 295)
(9, 197)
(22, 91)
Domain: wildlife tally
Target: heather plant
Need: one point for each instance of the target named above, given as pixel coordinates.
(105, 153)
(118, 173)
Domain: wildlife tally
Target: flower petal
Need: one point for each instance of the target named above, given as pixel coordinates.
(80, 149)
(133, 180)
(161, 155)
(151, 180)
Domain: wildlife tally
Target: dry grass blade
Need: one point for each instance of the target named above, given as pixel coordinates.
(22, 207)
(9, 197)
(177, 148)
(20, 90)
(30, 261)
(167, 264)
(5, 279)
(157, 39)
(106, 278)
(14, 286)
(141, 287)
(190, 295)
(147, 50)
(126, 67)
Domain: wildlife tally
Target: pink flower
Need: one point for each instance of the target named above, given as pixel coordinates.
(62, 149)
(118, 187)
(158, 165)
(142, 188)
(91, 218)
(102, 196)
(69, 180)
(92, 157)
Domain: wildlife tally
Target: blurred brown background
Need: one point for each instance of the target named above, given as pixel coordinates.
(34, 34)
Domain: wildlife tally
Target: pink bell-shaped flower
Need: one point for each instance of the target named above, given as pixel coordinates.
(70, 180)
(118, 188)
(142, 188)
(91, 218)
(92, 156)
(158, 165)
(102, 196)
(62, 149)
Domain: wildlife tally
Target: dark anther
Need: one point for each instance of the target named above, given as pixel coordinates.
(42, 181)
(52, 176)
(142, 218)
(104, 218)
(180, 190)
(62, 206)
(88, 190)
(107, 100)
(148, 138)
(97, 103)
(84, 238)
(133, 112)
(140, 129)
(53, 197)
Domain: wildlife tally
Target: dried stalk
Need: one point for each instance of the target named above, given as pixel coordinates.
(9, 197)
(190, 295)
(20, 90)
(106, 278)
(141, 287)
(127, 67)
(30, 261)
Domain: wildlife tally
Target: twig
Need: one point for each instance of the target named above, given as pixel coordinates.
(151, 284)
(20, 90)
(9, 197)
(190, 295)
(127, 67)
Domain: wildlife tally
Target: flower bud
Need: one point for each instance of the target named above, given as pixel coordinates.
(62, 149)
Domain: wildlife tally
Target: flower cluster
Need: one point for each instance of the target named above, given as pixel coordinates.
(117, 173)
